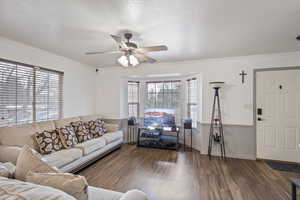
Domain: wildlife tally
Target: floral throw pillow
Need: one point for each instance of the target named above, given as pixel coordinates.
(95, 128)
(82, 133)
(48, 141)
(101, 123)
(68, 136)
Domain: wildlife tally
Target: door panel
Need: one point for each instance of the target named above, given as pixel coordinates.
(291, 138)
(278, 133)
(270, 137)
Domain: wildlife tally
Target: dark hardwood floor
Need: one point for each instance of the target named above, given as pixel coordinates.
(172, 175)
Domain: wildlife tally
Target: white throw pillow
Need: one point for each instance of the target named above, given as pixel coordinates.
(30, 160)
(73, 185)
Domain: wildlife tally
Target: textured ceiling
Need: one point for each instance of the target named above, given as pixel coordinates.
(192, 29)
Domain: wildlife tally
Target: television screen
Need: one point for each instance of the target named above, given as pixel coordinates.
(158, 117)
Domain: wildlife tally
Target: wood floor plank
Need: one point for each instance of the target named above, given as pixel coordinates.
(178, 175)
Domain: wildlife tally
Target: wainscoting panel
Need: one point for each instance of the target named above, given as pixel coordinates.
(240, 141)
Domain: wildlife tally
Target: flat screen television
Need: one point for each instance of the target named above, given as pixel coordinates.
(158, 117)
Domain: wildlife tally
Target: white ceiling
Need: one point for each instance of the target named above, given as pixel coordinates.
(192, 29)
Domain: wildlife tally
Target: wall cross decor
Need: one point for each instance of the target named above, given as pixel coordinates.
(243, 74)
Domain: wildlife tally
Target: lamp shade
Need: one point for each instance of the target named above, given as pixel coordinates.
(217, 84)
(127, 61)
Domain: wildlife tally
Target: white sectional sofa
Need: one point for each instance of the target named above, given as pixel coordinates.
(66, 160)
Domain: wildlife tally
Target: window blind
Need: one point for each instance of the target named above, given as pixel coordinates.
(192, 100)
(29, 93)
(133, 99)
(49, 92)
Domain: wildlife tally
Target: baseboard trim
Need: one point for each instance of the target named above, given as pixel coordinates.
(280, 161)
(233, 155)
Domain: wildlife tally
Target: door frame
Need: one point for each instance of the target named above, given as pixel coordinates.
(255, 71)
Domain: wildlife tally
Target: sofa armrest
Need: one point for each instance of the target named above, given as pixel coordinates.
(9, 153)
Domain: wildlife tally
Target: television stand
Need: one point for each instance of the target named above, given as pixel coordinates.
(158, 138)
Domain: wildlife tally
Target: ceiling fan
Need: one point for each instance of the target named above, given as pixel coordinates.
(132, 54)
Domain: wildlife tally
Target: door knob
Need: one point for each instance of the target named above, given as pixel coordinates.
(259, 119)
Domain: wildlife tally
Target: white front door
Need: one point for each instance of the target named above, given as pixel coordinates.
(278, 125)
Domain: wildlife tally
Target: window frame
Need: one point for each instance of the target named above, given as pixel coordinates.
(137, 103)
(35, 69)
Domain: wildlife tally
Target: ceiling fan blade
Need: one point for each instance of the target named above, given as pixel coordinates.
(102, 52)
(118, 39)
(153, 48)
(144, 58)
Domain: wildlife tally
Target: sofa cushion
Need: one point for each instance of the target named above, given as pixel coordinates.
(90, 118)
(81, 131)
(48, 141)
(91, 145)
(62, 157)
(112, 136)
(30, 160)
(16, 190)
(9, 153)
(65, 122)
(19, 135)
(67, 136)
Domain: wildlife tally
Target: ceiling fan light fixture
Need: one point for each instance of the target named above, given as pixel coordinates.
(123, 61)
(132, 54)
(133, 60)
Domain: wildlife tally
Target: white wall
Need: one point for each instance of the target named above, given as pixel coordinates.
(79, 79)
(236, 98)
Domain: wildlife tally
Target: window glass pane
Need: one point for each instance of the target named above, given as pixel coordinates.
(133, 92)
(164, 95)
(194, 114)
(150, 101)
(133, 110)
(151, 87)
